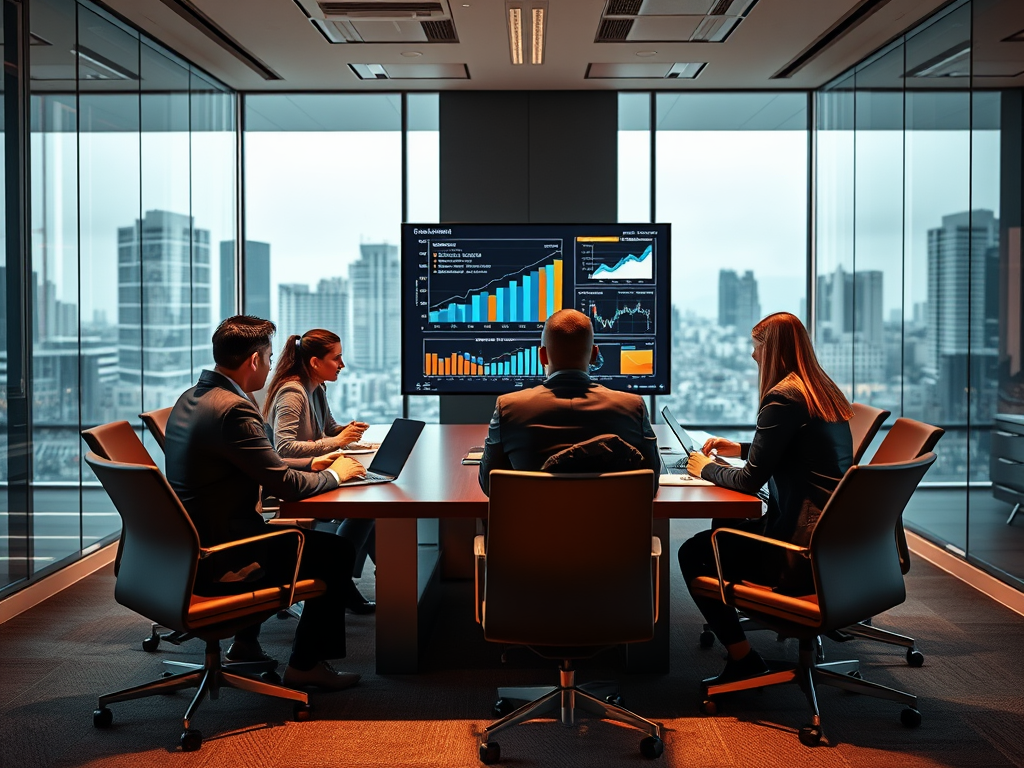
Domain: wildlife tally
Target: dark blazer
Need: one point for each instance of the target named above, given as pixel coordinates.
(802, 460)
(218, 456)
(529, 426)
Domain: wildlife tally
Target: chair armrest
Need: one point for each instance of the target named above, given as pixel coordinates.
(207, 551)
(480, 552)
(656, 573)
(298, 522)
(745, 535)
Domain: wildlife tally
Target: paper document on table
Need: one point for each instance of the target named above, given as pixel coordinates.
(682, 480)
(473, 455)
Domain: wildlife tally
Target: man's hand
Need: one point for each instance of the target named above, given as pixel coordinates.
(722, 446)
(351, 432)
(321, 463)
(347, 469)
(696, 462)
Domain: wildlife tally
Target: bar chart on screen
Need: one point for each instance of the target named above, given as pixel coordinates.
(480, 358)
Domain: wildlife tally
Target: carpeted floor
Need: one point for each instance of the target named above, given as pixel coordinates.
(56, 658)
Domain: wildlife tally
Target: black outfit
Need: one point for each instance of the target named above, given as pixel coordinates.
(218, 456)
(802, 459)
(530, 426)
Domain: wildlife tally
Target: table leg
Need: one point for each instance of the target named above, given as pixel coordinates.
(653, 656)
(397, 616)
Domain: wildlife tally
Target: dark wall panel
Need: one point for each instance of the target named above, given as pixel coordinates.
(573, 156)
(484, 158)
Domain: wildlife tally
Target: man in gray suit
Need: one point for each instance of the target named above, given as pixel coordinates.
(531, 426)
(218, 458)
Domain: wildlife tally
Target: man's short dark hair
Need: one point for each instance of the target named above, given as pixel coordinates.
(238, 337)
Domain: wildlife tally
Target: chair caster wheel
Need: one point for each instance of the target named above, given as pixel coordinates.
(301, 712)
(910, 717)
(707, 638)
(270, 676)
(914, 657)
(150, 644)
(501, 708)
(652, 747)
(810, 735)
(102, 717)
(616, 699)
(490, 752)
(708, 707)
(191, 740)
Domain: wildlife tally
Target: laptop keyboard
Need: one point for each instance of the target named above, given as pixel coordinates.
(375, 476)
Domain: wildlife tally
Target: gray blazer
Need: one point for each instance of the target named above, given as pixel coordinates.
(301, 423)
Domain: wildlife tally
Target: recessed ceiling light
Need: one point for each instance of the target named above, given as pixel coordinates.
(646, 53)
(411, 54)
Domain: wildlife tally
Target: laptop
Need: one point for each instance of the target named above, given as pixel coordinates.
(686, 441)
(392, 454)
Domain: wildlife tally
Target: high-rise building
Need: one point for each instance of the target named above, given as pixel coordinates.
(160, 350)
(376, 309)
(850, 303)
(738, 303)
(257, 279)
(300, 309)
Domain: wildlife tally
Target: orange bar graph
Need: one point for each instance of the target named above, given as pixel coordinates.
(542, 295)
(492, 308)
(450, 366)
(558, 285)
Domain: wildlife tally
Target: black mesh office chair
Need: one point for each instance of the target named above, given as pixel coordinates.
(568, 569)
(857, 574)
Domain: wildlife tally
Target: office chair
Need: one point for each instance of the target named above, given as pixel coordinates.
(156, 423)
(856, 573)
(864, 426)
(906, 440)
(569, 569)
(157, 579)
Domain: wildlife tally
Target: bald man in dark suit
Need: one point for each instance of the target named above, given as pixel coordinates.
(530, 426)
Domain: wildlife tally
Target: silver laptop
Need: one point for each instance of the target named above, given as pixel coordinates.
(392, 454)
(686, 441)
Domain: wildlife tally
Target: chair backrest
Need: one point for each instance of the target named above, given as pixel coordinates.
(569, 558)
(161, 546)
(864, 426)
(907, 439)
(117, 441)
(856, 568)
(156, 423)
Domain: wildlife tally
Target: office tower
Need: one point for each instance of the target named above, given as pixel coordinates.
(256, 299)
(963, 311)
(738, 304)
(300, 309)
(173, 282)
(850, 303)
(376, 314)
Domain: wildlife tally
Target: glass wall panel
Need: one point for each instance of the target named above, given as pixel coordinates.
(8, 548)
(423, 195)
(834, 209)
(731, 178)
(323, 190)
(163, 247)
(109, 201)
(634, 170)
(55, 398)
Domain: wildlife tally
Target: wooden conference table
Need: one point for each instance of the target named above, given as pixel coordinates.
(435, 485)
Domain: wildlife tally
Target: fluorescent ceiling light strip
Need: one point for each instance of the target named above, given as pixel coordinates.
(515, 34)
(537, 48)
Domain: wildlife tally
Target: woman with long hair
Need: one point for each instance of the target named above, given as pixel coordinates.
(801, 449)
(301, 424)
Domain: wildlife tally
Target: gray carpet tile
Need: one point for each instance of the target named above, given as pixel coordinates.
(56, 658)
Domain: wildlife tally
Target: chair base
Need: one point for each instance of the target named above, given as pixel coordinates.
(208, 678)
(809, 673)
(563, 702)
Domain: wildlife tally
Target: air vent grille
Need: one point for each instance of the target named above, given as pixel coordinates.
(440, 31)
(721, 8)
(410, 9)
(614, 30)
(625, 7)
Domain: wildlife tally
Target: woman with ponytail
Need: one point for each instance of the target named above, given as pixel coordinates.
(801, 449)
(301, 425)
